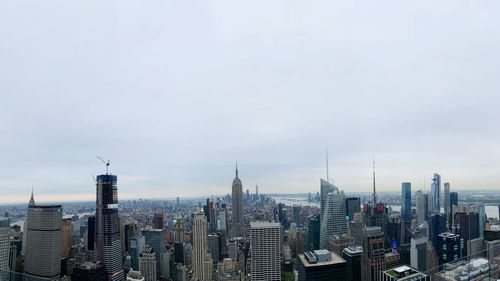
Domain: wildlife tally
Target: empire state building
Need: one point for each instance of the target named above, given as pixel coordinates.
(237, 205)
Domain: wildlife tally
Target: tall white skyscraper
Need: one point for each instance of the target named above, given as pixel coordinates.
(4, 246)
(202, 261)
(265, 240)
(333, 213)
(147, 263)
(436, 194)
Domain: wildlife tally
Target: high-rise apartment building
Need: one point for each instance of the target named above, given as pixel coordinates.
(406, 201)
(108, 248)
(265, 240)
(147, 263)
(237, 206)
(436, 194)
(43, 244)
(333, 213)
(202, 261)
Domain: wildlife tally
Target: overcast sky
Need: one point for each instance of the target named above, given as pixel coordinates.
(173, 92)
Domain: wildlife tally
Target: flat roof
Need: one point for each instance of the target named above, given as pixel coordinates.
(336, 259)
(262, 224)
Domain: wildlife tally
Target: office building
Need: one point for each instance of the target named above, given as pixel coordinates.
(67, 234)
(147, 263)
(373, 258)
(453, 201)
(155, 238)
(237, 206)
(214, 247)
(422, 207)
(436, 195)
(404, 273)
(466, 223)
(90, 233)
(418, 253)
(265, 240)
(108, 248)
(353, 206)
(296, 214)
(321, 265)
(352, 256)
(406, 201)
(86, 271)
(446, 203)
(450, 247)
(228, 270)
(314, 232)
(158, 221)
(137, 243)
(202, 261)
(339, 242)
(4, 246)
(333, 213)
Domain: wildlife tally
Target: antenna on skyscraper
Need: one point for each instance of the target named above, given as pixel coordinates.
(105, 163)
(327, 172)
(93, 177)
(374, 189)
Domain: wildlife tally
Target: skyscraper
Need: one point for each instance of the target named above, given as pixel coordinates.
(436, 193)
(422, 208)
(4, 248)
(155, 238)
(108, 246)
(67, 233)
(321, 265)
(333, 213)
(158, 221)
(137, 243)
(352, 255)
(313, 232)
(352, 205)
(453, 201)
(406, 201)
(265, 251)
(202, 261)
(446, 202)
(147, 263)
(373, 258)
(43, 245)
(237, 205)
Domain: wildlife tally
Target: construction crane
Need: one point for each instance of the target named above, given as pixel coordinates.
(105, 163)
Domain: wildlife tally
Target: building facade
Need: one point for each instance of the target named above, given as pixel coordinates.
(265, 240)
(237, 206)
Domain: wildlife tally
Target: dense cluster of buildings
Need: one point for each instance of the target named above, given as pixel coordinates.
(247, 237)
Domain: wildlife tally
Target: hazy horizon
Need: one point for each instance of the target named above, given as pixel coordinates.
(173, 93)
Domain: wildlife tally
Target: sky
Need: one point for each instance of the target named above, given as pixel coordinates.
(174, 92)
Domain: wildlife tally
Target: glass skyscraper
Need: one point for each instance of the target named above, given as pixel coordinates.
(406, 201)
(436, 193)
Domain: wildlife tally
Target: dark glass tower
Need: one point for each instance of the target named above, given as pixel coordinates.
(107, 227)
(406, 201)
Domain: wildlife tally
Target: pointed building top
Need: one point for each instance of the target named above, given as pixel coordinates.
(327, 172)
(32, 199)
(236, 168)
(374, 189)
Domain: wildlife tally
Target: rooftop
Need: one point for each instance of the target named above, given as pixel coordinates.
(335, 259)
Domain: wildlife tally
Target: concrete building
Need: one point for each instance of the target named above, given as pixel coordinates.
(418, 253)
(4, 246)
(43, 244)
(265, 240)
(228, 270)
(373, 258)
(339, 243)
(67, 235)
(321, 265)
(202, 261)
(147, 263)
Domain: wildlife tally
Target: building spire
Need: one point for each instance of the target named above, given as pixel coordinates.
(32, 199)
(374, 189)
(327, 172)
(236, 168)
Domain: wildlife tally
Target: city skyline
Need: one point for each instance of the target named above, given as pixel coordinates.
(184, 91)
